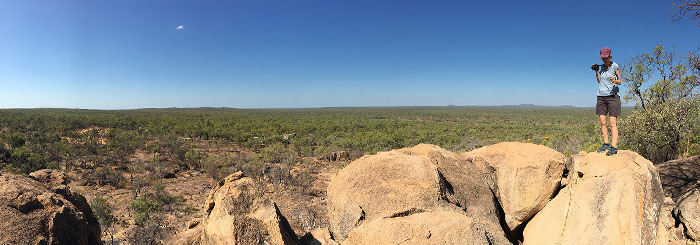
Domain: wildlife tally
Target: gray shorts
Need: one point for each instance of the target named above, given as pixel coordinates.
(608, 105)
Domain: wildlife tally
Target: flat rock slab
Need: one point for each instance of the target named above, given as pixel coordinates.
(609, 200)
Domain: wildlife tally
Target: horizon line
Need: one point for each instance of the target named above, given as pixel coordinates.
(291, 108)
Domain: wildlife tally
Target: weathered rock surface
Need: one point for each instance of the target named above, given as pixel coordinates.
(527, 176)
(50, 177)
(237, 213)
(679, 176)
(609, 200)
(33, 213)
(387, 189)
(688, 212)
(439, 227)
(668, 232)
(318, 236)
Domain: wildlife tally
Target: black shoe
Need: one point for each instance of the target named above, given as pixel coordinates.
(604, 148)
(611, 151)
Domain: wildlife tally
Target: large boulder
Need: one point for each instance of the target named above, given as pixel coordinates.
(527, 176)
(688, 212)
(237, 213)
(50, 177)
(668, 232)
(679, 176)
(608, 200)
(441, 227)
(34, 213)
(318, 236)
(390, 187)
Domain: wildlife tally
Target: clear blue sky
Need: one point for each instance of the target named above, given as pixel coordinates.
(290, 53)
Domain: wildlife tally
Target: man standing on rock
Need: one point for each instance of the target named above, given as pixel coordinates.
(608, 104)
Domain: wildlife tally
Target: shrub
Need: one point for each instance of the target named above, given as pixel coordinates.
(161, 196)
(103, 212)
(138, 177)
(143, 209)
(107, 176)
(149, 232)
(665, 131)
(279, 153)
(192, 159)
(220, 167)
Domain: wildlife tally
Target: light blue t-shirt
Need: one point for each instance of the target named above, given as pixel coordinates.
(606, 87)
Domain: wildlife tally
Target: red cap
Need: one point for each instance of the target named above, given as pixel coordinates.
(605, 52)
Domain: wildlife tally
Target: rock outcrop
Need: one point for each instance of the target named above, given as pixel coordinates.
(679, 176)
(507, 193)
(36, 213)
(668, 231)
(527, 176)
(318, 236)
(50, 177)
(391, 196)
(609, 200)
(441, 227)
(237, 213)
(688, 212)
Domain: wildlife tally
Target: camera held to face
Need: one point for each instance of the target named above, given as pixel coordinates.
(595, 67)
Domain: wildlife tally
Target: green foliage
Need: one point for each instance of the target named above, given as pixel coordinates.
(103, 212)
(279, 153)
(192, 158)
(107, 176)
(15, 141)
(25, 160)
(666, 125)
(221, 166)
(4, 153)
(664, 131)
(285, 135)
(161, 196)
(123, 143)
(677, 77)
(138, 177)
(143, 209)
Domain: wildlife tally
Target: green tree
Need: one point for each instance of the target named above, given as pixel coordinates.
(668, 108)
(103, 212)
(143, 209)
